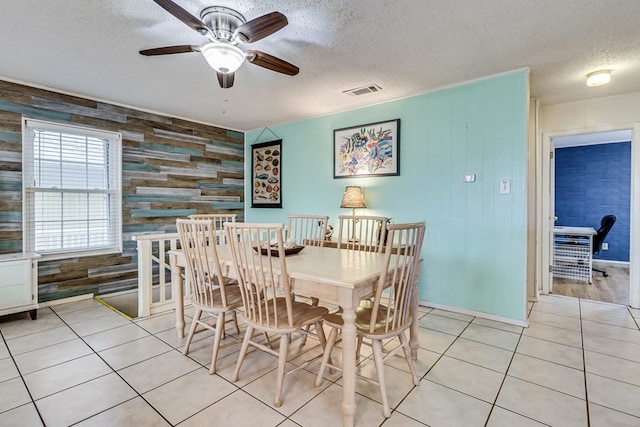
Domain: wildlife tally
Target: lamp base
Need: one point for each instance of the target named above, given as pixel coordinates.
(353, 238)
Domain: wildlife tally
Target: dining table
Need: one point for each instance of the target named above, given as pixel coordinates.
(337, 276)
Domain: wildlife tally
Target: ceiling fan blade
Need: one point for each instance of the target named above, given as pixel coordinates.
(261, 27)
(169, 50)
(271, 62)
(183, 15)
(226, 80)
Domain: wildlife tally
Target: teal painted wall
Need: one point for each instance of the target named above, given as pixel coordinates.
(475, 246)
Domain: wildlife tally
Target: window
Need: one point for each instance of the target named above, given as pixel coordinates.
(72, 190)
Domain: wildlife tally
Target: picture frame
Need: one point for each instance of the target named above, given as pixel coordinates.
(371, 149)
(266, 174)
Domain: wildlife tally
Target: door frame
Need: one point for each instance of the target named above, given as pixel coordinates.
(545, 204)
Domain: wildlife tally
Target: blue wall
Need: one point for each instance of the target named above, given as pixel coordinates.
(475, 246)
(592, 181)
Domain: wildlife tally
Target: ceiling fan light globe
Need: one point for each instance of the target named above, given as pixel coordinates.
(223, 57)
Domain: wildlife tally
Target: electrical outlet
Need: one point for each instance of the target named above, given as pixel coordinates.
(605, 246)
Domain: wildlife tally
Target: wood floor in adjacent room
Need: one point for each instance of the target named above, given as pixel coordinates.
(614, 288)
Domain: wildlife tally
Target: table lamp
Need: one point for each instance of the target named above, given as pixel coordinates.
(353, 198)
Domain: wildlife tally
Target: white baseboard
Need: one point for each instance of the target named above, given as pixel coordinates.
(606, 261)
(487, 316)
(65, 300)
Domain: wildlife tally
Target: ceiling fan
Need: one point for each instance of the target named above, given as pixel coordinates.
(225, 28)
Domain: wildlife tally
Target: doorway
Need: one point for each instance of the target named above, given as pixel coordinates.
(546, 209)
(592, 179)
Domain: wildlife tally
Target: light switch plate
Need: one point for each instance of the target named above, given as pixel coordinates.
(505, 186)
(469, 177)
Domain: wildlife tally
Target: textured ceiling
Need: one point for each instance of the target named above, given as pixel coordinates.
(407, 47)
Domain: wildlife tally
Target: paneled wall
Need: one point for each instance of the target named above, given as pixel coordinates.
(171, 168)
(592, 181)
(475, 247)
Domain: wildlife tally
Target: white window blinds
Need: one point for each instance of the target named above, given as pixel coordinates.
(72, 190)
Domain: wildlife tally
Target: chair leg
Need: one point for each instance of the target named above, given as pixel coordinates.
(604, 273)
(266, 338)
(243, 352)
(235, 321)
(282, 364)
(407, 355)
(216, 342)
(192, 331)
(320, 333)
(358, 347)
(331, 341)
(303, 340)
(378, 359)
(303, 337)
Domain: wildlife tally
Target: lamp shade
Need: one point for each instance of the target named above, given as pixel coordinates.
(223, 57)
(353, 197)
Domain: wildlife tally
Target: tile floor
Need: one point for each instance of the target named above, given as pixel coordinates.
(578, 364)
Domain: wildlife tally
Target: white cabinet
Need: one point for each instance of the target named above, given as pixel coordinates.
(19, 283)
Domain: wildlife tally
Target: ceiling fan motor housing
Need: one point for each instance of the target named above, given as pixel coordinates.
(223, 23)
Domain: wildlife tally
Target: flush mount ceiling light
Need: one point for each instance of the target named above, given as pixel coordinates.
(598, 78)
(223, 57)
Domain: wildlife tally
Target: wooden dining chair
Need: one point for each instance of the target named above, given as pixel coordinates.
(266, 293)
(388, 315)
(210, 291)
(362, 232)
(307, 230)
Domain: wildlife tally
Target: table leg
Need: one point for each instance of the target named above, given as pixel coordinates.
(348, 366)
(178, 296)
(414, 343)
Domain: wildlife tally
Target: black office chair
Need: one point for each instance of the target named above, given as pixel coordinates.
(605, 226)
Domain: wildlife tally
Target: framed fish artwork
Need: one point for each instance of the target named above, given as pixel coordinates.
(367, 150)
(266, 174)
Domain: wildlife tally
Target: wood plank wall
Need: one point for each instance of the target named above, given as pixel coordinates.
(171, 168)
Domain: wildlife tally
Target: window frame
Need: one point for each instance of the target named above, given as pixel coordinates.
(114, 190)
